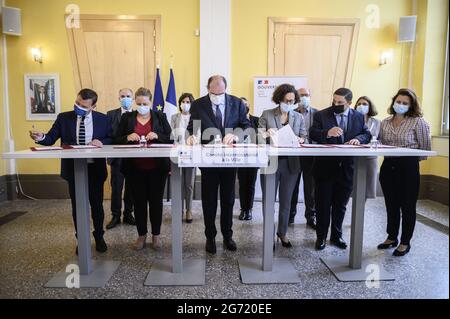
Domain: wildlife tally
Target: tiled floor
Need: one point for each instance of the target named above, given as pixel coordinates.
(39, 243)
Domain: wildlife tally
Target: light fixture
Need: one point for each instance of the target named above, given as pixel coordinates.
(36, 53)
(386, 57)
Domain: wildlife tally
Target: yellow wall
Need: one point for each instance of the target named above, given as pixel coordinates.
(2, 124)
(43, 25)
(432, 30)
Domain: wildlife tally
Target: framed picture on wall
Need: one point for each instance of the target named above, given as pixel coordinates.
(42, 97)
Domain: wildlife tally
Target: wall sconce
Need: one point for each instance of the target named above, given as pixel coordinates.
(386, 57)
(36, 53)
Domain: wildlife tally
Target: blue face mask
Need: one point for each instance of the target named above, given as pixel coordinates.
(80, 111)
(126, 103)
(400, 108)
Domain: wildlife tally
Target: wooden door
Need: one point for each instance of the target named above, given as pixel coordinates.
(321, 50)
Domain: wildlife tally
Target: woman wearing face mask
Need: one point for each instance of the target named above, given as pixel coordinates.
(179, 125)
(287, 98)
(147, 176)
(399, 176)
(365, 106)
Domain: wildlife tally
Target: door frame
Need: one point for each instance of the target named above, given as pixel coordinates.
(72, 47)
(355, 23)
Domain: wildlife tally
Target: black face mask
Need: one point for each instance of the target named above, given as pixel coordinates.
(338, 109)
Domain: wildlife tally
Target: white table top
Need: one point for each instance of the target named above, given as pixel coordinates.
(108, 151)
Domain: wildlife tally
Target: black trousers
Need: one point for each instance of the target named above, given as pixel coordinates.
(214, 179)
(118, 181)
(247, 180)
(306, 164)
(95, 182)
(400, 181)
(332, 196)
(147, 189)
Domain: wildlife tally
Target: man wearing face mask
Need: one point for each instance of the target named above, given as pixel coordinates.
(117, 179)
(83, 126)
(306, 164)
(338, 124)
(218, 114)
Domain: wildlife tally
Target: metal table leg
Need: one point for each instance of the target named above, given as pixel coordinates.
(354, 268)
(172, 272)
(91, 273)
(278, 270)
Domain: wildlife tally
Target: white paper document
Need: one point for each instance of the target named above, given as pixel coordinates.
(285, 137)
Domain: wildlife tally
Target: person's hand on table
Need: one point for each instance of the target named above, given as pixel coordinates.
(192, 140)
(301, 140)
(335, 132)
(229, 139)
(353, 142)
(133, 138)
(96, 143)
(36, 136)
(270, 132)
(151, 136)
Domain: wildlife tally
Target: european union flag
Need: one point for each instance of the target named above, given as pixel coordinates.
(158, 99)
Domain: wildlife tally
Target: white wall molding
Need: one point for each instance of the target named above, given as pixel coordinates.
(215, 41)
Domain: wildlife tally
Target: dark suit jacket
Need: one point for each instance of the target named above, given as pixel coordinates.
(114, 118)
(65, 128)
(326, 168)
(160, 126)
(235, 117)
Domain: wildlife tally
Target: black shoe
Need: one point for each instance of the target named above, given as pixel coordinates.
(387, 246)
(321, 244)
(248, 215)
(398, 253)
(113, 223)
(311, 222)
(211, 246)
(242, 214)
(291, 218)
(229, 244)
(129, 219)
(100, 245)
(285, 244)
(339, 242)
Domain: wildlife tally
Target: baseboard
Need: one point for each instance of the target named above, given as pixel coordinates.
(434, 188)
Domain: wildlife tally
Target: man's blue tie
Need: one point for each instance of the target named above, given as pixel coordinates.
(219, 118)
(343, 127)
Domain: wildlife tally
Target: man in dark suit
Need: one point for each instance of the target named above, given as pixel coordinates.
(218, 114)
(42, 101)
(306, 165)
(83, 126)
(247, 175)
(117, 178)
(338, 124)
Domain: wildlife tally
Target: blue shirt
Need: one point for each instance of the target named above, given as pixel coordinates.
(345, 114)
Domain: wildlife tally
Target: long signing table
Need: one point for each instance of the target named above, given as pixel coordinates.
(191, 272)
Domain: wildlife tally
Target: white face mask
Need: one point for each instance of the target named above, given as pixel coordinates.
(363, 109)
(286, 108)
(305, 101)
(217, 99)
(143, 109)
(400, 108)
(186, 107)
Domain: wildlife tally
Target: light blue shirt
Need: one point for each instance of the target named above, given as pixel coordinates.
(338, 118)
(222, 110)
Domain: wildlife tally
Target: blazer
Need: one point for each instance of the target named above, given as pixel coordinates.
(65, 128)
(235, 117)
(114, 118)
(325, 168)
(159, 125)
(272, 119)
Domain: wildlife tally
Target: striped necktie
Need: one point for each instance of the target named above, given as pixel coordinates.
(82, 132)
